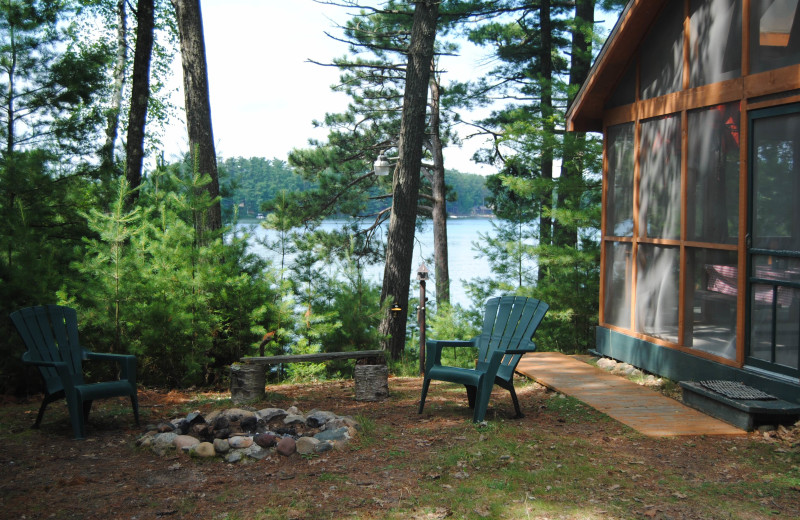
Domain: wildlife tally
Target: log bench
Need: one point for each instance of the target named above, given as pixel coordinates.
(248, 378)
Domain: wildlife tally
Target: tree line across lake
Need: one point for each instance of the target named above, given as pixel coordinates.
(250, 182)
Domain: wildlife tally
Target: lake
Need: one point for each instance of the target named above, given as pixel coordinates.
(464, 264)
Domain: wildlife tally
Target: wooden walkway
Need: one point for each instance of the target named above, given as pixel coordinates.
(639, 407)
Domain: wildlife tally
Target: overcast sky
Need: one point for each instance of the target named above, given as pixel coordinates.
(264, 93)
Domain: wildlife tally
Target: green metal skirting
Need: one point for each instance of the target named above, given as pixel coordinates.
(680, 366)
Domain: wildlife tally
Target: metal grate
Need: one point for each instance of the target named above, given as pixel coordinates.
(736, 390)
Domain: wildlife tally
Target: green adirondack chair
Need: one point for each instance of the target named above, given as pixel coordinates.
(509, 323)
(50, 334)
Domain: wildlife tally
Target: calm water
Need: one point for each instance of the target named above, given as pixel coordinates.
(464, 265)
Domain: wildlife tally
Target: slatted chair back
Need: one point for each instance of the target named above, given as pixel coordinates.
(50, 333)
(509, 323)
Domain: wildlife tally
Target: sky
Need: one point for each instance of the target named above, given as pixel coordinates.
(265, 94)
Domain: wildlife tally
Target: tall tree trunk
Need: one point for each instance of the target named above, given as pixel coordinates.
(11, 91)
(198, 105)
(400, 238)
(568, 198)
(112, 119)
(140, 93)
(439, 194)
(546, 66)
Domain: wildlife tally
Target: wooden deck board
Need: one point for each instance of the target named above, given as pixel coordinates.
(639, 407)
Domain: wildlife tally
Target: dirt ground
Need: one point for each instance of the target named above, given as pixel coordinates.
(47, 474)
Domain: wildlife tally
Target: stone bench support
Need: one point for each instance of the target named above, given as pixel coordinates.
(248, 378)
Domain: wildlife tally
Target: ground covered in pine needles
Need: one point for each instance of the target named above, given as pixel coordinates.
(563, 460)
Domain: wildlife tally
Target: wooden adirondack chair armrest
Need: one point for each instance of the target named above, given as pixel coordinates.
(433, 348)
(127, 362)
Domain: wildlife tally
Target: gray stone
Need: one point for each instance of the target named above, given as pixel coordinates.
(204, 449)
(323, 446)
(339, 434)
(606, 363)
(234, 456)
(306, 445)
(286, 446)
(341, 422)
(318, 418)
(239, 442)
(238, 414)
(293, 410)
(272, 413)
(294, 419)
(222, 446)
(164, 441)
(184, 442)
(256, 452)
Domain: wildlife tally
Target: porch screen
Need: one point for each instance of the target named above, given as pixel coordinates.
(712, 288)
(657, 291)
(716, 41)
(660, 185)
(713, 177)
(661, 61)
(619, 198)
(618, 272)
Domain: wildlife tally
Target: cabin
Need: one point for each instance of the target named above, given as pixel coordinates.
(698, 102)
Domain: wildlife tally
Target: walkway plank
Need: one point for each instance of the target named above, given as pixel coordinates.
(639, 407)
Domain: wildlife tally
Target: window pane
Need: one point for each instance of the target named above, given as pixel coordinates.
(716, 41)
(619, 198)
(776, 180)
(657, 291)
(661, 67)
(660, 185)
(619, 269)
(713, 196)
(774, 34)
(712, 286)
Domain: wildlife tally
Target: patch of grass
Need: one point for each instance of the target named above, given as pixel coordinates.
(327, 476)
(573, 411)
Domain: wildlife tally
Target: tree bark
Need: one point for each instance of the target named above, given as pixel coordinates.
(546, 67)
(574, 143)
(112, 120)
(140, 93)
(400, 238)
(439, 193)
(198, 105)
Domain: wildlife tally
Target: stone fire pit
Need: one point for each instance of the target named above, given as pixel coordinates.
(238, 434)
